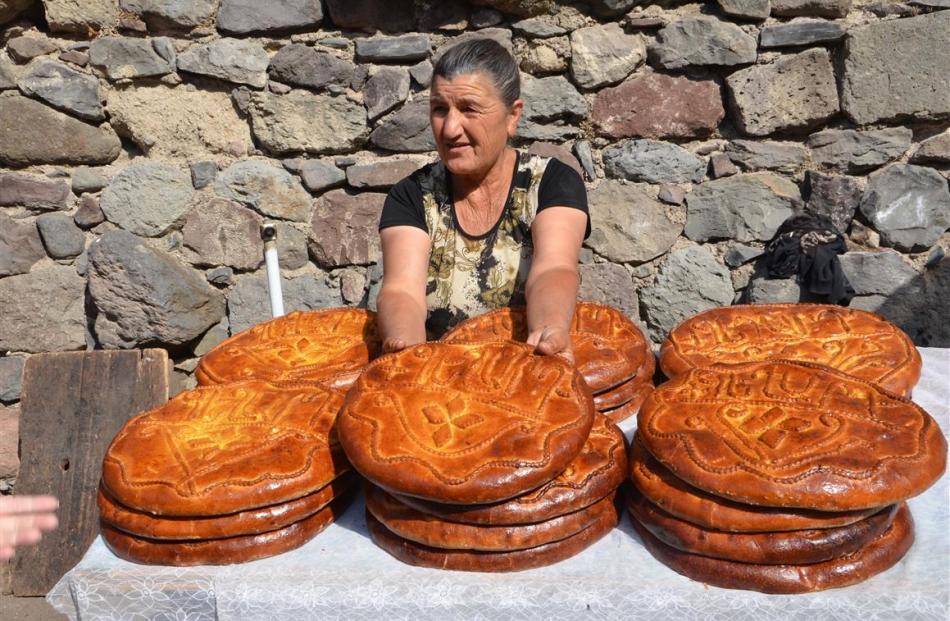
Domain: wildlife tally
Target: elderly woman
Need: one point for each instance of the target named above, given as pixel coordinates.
(485, 226)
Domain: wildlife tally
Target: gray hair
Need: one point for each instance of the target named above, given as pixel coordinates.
(486, 56)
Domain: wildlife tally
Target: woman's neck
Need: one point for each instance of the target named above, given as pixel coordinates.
(496, 178)
(480, 201)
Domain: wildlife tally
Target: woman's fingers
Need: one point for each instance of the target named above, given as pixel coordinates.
(11, 505)
(16, 530)
(555, 342)
(391, 345)
(23, 520)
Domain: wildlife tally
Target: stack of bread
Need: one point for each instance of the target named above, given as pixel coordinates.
(481, 457)
(611, 353)
(783, 476)
(247, 465)
(225, 474)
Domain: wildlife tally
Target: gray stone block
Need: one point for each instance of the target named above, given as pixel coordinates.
(51, 137)
(203, 173)
(833, 196)
(20, 246)
(908, 205)
(43, 311)
(407, 48)
(145, 296)
(877, 273)
(147, 197)
(801, 32)
(87, 179)
(852, 151)
(746, 207)
(233, 60)
(653, 162)
(629, 224)
(794, 92)
(689, 281)
(61, 237)
(905, 55)
(65, 88)
(269, 190)
(126, 57)
(11, 378)
(247, 16)
(702, 41)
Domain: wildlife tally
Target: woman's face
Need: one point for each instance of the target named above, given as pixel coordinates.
(470, 122)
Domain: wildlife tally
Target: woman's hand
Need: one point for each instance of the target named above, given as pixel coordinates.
(23, 520)
(393, 344)
(552, 341)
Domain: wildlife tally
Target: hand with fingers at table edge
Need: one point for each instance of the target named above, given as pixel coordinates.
(23, 520)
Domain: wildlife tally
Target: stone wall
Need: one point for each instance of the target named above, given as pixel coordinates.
(143, 142)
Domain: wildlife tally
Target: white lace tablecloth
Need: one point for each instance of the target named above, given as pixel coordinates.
(341, 575)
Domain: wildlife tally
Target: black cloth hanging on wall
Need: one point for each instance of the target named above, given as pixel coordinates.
(807, 246)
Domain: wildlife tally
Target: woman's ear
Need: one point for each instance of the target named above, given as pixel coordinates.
(514, 115)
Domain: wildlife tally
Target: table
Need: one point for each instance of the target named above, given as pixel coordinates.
(341, 575)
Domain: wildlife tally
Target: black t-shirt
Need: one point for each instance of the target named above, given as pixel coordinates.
(560, 186)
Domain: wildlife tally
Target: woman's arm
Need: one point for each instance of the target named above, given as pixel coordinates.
(401, 302)
(551, 289)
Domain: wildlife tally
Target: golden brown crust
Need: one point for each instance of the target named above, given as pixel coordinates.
(330, 346)
(635, 389)
(223, 449)
(422, 528)
(872, 559)
(630, 408)
(595, 472)
(465, 423)
(854, 341)
(609, 349)
(796, 547)
(470, 560)
(686, 502)
(786, 434)
(221, 551)
(251, 522)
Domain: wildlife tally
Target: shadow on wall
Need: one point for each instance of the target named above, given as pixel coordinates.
(921, 308)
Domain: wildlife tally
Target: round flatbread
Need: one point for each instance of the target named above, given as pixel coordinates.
(609, 349)
(329, 346)
(472, 560)
(251, 522)
(630, 408)
(222, 449)
(227, 551)
(465, 423)
(854, 341)
(872, 559)
(794, 547)
(787, 434)
(686, 502)
(597, 471)
(637, 388)
(408, 523)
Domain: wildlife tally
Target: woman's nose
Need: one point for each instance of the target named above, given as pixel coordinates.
(452, 124)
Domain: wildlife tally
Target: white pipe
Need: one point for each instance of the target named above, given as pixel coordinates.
(272, 267)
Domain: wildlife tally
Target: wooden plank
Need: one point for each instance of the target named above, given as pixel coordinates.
(72, 406)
